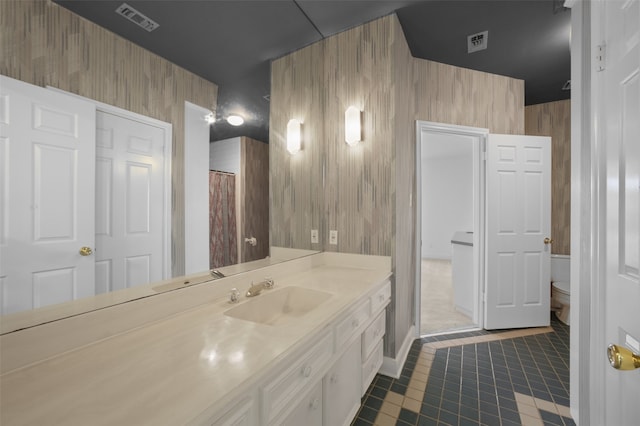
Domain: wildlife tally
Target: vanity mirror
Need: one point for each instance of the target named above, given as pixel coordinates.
(97, 295)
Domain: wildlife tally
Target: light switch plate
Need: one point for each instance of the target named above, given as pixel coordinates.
(314, 236)
(333, 237)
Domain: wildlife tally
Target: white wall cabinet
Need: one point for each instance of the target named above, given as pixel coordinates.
(321, 383)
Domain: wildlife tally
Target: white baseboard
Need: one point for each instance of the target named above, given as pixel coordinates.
(392, 367)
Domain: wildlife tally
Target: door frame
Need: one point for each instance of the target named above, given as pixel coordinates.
(587, 230)
(168, 151)
(479, 159)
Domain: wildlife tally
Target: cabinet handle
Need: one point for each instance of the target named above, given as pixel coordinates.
(306, 370)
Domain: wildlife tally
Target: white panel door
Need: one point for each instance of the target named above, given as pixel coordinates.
(129, 202)
(47, 148)
(621, 228)
(518, 221)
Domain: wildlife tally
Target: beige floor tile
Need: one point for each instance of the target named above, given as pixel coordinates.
(525, 399)
(391, 409)
(385, 420)
(420, 376)
(563, 411)
(421, 369)
(530, 421)
(414, 394)
(417, 384)
(529, 410)
(412, 405)
(546, 405)
(394, 398)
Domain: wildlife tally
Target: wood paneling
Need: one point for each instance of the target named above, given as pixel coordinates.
(45, 44)
(360, 180)
(369, 188)
(453, 95)
(254, 202)
(554, 119)
(297, 91)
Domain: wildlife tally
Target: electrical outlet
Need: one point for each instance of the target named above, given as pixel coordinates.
(333, 237)
(314, 236)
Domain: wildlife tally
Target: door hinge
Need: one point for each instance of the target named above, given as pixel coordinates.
(601, 57)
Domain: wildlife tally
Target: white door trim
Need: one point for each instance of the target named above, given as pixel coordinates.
(586, 372)
(168, 150)
(479, 153)
(196, 189)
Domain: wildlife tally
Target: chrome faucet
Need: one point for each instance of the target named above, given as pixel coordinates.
(216, 273)
(255, 289)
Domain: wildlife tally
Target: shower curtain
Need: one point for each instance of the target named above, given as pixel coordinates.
(223, 246)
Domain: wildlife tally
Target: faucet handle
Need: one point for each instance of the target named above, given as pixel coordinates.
(234, 295)
(269, 283)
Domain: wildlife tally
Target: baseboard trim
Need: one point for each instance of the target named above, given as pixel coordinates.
(392, 367)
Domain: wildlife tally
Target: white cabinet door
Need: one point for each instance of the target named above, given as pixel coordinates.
(341, 387)
(518, 221)
(308, 412)
(47, 183)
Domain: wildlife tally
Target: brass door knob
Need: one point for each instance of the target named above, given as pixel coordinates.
(622, 358)
(548, 240)
(86, 251)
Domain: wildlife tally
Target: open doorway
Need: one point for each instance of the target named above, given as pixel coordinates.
(450, 178)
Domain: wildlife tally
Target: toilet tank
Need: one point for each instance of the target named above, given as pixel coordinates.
(560, 268)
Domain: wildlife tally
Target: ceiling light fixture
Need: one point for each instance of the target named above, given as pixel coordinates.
(235, 120)
(209, 118)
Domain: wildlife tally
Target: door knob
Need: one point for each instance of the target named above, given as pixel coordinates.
(548, 240)
(622, 358)
(86, 251)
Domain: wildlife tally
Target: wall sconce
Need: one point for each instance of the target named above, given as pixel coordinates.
(293, 136)
(352, 130)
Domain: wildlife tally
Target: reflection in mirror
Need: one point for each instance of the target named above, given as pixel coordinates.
(45, 314)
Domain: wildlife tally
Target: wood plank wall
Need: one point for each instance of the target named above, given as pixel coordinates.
(295, 187)
(554, 119)
(45, 44)
(453, 95)
(369, 188)
(254, 182)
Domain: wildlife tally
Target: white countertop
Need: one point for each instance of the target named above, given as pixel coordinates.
(171, 370)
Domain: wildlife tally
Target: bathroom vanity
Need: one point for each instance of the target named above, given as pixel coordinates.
(303, 352)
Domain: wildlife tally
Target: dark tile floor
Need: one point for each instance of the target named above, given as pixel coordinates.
(477, 378)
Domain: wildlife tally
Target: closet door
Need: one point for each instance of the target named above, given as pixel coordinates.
(47, 181)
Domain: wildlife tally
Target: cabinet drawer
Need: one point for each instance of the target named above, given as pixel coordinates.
(372, 335)
(284, 389)
(381, 297)
(308, 412)
(371, 366)
(351, 323)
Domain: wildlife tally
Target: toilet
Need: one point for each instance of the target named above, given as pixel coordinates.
(560, 286)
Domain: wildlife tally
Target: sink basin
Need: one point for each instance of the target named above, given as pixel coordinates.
(275, 307)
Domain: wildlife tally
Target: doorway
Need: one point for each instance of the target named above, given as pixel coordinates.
(449, 247)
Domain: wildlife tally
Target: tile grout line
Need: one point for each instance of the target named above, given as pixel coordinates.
(394, 402)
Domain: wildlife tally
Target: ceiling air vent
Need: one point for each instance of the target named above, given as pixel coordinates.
(137, 17)
(478, 41)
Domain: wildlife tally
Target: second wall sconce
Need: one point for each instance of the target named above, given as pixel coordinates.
(352, 128)
(294, 136)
